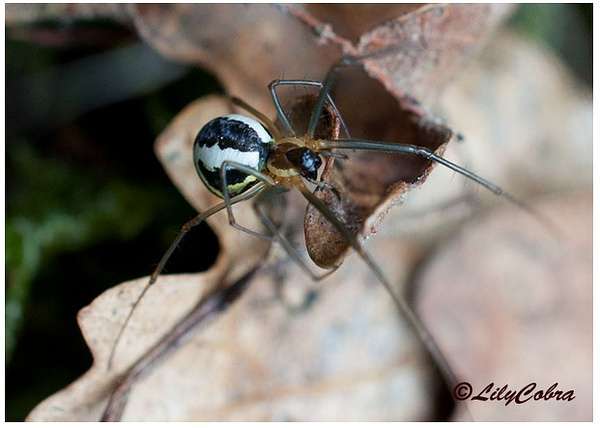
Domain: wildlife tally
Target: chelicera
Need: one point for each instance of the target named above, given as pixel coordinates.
(242, 157)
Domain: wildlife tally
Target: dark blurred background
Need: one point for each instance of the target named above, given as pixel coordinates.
(88, 205)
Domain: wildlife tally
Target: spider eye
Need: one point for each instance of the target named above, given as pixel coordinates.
(307, 161)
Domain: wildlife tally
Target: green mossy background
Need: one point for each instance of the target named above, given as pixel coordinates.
(88, 205)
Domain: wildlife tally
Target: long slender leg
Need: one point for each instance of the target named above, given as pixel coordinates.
(231, 165)
(418, 327)
(334, 155)
(262, 117)
(206, 310)
(324, 93)
(275, 233)
(282, 239)
(424, 152)
(301, 82)
(163, 261)
(321, 184)
(279, 108)
(267, 222)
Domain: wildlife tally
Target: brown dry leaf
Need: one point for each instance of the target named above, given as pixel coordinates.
(529, 145)
(287, 350)
(171, 296)
(346, 356)
(366, 185)
(285, 376)
(513, 306)
(526, 131)
(303, 41)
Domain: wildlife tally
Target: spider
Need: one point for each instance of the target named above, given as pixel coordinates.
(241, 157)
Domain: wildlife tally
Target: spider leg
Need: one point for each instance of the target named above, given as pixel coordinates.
(267, 222)
(282, 239)
(301, 82)
(279, 108)
(163, 261)
(325, 91)
(424, 152)
(334, 155)
(418, 327)
(262, 117)
(208, 308)
(231, 165)
(319, 185)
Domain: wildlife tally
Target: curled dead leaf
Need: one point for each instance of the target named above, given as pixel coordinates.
(424, 46)
(303, 41)
(366, 185)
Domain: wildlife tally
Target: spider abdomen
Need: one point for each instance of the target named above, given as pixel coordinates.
(231, 138)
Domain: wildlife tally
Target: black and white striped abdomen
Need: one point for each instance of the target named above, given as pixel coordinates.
(234, 138)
